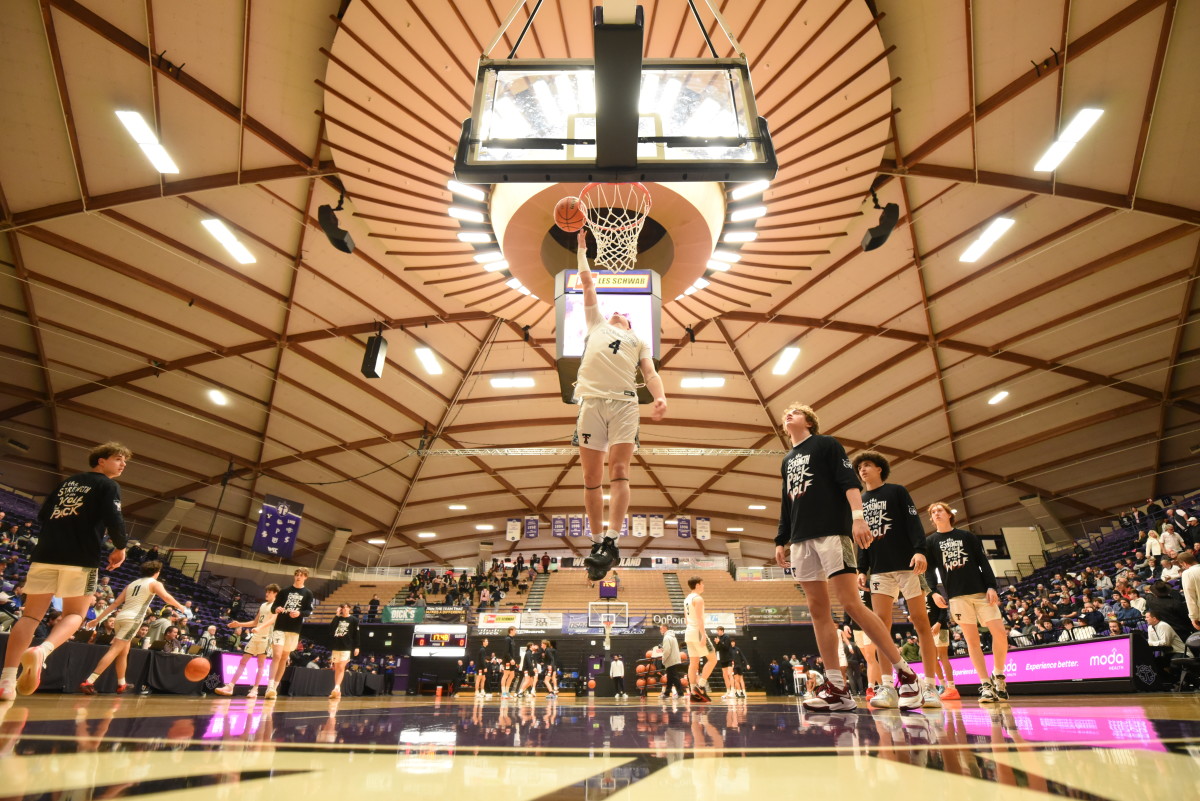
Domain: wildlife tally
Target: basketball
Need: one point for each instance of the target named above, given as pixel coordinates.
(569, 214)
(591, 684)
(649, 654)
(197, 669)
(641, 684)
(651, 681)
(683, 680)
(641, 668)
(683, 657)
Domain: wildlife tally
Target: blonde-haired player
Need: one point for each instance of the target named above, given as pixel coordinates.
(697, 642)
(258, 644)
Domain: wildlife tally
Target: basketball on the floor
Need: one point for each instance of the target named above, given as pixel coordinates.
(569, 214)
(197, 669)
(641, 684)
(591, 684)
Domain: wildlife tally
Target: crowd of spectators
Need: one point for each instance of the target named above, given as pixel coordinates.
(497, 588)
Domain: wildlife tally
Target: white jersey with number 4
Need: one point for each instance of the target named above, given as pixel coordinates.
(610, 360)
(695, 626)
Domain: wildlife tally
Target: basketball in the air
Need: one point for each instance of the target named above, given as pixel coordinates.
(569, 214)
(197, 669)
(591, 684)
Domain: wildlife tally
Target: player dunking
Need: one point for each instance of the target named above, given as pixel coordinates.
(133, 602)
(260, 640)
(608, 414)
(74, 518)
(820, 521)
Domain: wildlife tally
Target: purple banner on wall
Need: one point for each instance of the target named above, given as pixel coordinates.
(575, 525)
(685, 527)
(558, 526)
(278, 527)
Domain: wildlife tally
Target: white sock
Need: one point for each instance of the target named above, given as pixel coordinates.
(91, 679)
(888, 680)
(271, 685)
(902, 667)
(8, 674)
(47, 647)
(120, 681)
(949, 683)
(836, 678)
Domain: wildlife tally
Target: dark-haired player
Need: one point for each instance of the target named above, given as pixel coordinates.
(133, 602)
(895, 561)
(291, 607)
(820, 521)
(606, 392)
(259, 643)
(343, 633)
(508, 661)
(74, 520)
(959, 557)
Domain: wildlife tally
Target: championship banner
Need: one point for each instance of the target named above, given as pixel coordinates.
(703, 528)
(624, 526)
(639, 525)
(531, 527)
(513, 532)
(656, 525)
(685, 527)
(575, 525)
(278, 526)
(558, 525)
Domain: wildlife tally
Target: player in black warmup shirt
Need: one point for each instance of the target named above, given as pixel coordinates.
(508, 658)
(292, 605)
(724, 660)
(74, 520)
(343, 632)
(482, 663)
(939, 624)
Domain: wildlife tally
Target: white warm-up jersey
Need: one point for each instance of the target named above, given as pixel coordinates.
(695, 626)
(138, 595)
(610, 360)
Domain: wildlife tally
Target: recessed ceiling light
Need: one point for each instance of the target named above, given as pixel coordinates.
(1067, 140)
(519, 382)
(740, 236)
(702, 382)
(986, 239)
(488, 256)
(147, 140)
(999, 396)
(670, 522)
(376, 541)
(472, 192)
(726, 255)
(458, 507)
(427, 535)
(719, 266)
(787, 358)
(474, 237)
(743, 191)
(496, 266)
(223, 235)
(469, 215)
(756, 506)
(700, 283)
(429, 361)
(752, 213)
(218, 397)
(484, 527)
(513, 283)
(735, 528)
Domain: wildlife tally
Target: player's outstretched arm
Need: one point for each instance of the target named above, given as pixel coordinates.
(585, 271)
(655, 385)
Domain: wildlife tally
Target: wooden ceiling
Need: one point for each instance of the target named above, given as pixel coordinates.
(118, 312)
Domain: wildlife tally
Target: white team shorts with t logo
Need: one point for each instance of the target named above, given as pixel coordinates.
(973, 608)
(603, 422)
(819, 559)
(125, 627)
(288, 639)
(65, 581)
(339, 656)
(257, 645)
(896, 583)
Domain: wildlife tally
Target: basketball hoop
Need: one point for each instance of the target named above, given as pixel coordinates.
(615, 216)
(608, 626)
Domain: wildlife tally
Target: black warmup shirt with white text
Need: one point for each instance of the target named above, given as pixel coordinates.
(959, 556)
(896, 531)
(343, 631)
(75, 518)
(816, 475)
(299, 599)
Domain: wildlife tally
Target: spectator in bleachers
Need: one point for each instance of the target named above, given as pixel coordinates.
(1165, 642)
(1046, 633)
(373, 606)
(9, 611)
(172, 644)
(1072, 632)
(1103, 582)
(1153, 510)
(1114, 629)
(1128, 615)
(1172, 543)
(1171, 569)
(1154, 545)
(105, 591)
(1092, 617)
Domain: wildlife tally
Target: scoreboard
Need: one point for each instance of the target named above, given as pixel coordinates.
(444, 639)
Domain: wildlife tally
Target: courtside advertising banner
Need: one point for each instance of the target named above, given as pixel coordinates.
(531, 527)
(685, 527)
(1080, 661)
(512, 532)
(639, 525)
(575, 525)
(703, 528)
(558, 525)
(656, 525)
(278, 526)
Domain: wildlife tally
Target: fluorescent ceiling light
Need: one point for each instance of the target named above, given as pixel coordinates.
(726, 255)
(496, 266)
(513, 283)
(740, 236)
(376, 541)
(474, 237)
(489, 256)
(691, 290)
(484, 527)
(519, 382)
(429, 361)
(719, 266)
(218, 397)
(427, 535)
(752, 213)
(787, 358)
(986, 239)
(470, 215)
(756, 506)
(743, 191)
(1067, 140)
(999, 396)
(524, 290)
(702, 382)
(606, 497)
(223, 235)
(700, 283)
(735, 528)
(472, 192)
(147, 140)
(458, 507)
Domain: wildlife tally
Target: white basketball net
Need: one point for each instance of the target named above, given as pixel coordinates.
(615, 216)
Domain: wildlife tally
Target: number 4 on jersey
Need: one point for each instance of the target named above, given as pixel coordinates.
(615, 345)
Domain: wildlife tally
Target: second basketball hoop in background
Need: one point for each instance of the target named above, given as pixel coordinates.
(570, 214)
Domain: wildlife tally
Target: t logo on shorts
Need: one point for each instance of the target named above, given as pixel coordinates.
(875, 584)
(586, 438)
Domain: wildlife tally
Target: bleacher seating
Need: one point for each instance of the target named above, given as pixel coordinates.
(569, 590)
(357, 592)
